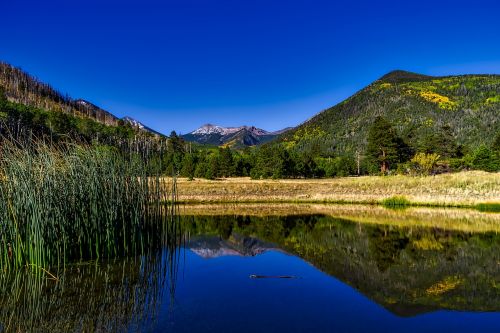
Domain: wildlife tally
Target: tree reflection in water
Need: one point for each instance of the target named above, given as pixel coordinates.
(408, 270)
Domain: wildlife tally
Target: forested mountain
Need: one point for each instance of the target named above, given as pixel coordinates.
(234, 137)
(464, 108)
(19, 87)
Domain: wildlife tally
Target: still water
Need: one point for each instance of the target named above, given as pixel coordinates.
(296, 273)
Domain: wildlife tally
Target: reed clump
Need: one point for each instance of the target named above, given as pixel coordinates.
(74, 202)
(396, 202)
(492, 207)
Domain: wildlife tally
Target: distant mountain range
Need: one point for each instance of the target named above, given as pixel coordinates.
(235, 137)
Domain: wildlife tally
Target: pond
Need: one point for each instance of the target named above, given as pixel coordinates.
(280, 269)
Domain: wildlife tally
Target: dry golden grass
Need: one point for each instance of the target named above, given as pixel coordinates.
(454, 189)
(467, 220)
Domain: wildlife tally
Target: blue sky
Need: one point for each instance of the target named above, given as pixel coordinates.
(176, 65)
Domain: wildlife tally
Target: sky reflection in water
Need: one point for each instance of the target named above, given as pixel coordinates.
(350, 277)
(214, 292)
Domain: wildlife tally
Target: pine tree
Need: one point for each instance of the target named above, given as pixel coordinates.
(441, 142)
(188, 166)
(226, 162)
(383, 144)
(496, 144)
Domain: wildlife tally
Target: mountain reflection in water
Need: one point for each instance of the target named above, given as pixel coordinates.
(407, 270)
(199, 280)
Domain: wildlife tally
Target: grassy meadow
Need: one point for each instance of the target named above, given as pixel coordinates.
(463, 189)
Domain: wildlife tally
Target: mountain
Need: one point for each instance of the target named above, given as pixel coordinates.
(465, 107)
(235, 137)
(137, 124)
(21, 88)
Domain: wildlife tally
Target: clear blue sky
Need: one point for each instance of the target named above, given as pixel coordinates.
(176, 65)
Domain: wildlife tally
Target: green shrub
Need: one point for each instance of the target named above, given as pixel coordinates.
(489, 207)
(484, 158)
(396, 202)
(424, 163)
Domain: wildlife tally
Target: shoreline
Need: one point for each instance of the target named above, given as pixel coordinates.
(466, 220)
(380, 203)
(457, 190)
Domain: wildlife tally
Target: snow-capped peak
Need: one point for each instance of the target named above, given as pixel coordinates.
(208, 129)
(214, 129)
(133, 122)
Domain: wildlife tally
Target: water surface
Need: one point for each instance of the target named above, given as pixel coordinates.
(342, 276)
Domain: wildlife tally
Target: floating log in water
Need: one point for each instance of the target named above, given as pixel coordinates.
(254, 276)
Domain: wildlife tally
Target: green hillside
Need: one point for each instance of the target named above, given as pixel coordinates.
(31, 110)
(467, 108)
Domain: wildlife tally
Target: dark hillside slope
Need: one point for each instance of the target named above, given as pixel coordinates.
(20, 87)
(30, 108)
(27, 102)
(467, 107)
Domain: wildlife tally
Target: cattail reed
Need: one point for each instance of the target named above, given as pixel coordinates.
(75, 202)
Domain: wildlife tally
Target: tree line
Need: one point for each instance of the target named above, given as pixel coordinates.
(387, 152)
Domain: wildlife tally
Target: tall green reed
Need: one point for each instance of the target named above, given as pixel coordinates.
(75, 202)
